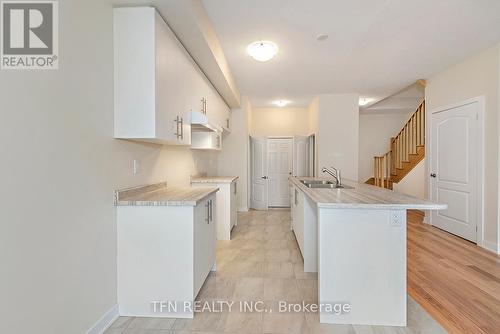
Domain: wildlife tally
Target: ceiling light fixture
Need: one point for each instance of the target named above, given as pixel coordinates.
(364, 101)
(262, 50)
(281, 103)
(322, 37)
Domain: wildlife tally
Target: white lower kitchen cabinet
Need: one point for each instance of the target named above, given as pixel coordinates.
(165, 254)
(304, 226)
(226, 202)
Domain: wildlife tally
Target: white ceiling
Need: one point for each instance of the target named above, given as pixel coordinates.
(375, 47)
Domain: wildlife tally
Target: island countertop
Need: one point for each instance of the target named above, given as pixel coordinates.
(363, 196)
(159, 194)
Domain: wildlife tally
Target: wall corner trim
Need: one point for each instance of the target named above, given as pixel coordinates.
(105, 321)
(490, 246)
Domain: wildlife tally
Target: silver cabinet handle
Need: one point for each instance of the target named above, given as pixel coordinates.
(207, 205)
(176, 120)
(204, 105)
(179, 133)
(182, 128)
(296, 199)
(235, 185)
(211, 211)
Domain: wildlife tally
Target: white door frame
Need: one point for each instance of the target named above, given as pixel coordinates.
(480, 100)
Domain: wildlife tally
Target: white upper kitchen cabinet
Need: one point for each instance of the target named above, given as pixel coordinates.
(157, 82)
(223, 115)
(149, 101)
(217, 110)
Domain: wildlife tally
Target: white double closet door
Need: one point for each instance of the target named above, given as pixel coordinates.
(273, 160)
(272, 164)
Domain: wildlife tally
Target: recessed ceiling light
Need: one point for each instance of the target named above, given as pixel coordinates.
(262, 50)
(364, 101)
(281, 103)
(322, 37)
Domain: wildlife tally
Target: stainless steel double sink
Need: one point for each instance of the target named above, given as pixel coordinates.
(324, 184)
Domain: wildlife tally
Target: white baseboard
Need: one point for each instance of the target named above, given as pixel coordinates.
(105, 322)
(243, 209)
(491, 246)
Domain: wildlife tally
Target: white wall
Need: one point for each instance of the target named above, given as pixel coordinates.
(375, 132)
(234, 158)
(413, 183)
(59, 167)
(280, 122)
(337, 137)
(313, 110)
(476, 76)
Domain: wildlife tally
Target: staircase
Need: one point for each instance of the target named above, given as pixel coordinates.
(407, 149)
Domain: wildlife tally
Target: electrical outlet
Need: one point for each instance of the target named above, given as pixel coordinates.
(397, 217)
(137, 166)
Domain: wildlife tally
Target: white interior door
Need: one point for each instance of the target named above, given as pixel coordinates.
(454, 169)
(300, 156)
(279, 159)
(259, 193)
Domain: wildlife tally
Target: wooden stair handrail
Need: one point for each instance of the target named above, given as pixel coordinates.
(403, 147)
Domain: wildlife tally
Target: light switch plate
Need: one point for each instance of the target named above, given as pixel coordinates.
(137, 166)
(397, 217)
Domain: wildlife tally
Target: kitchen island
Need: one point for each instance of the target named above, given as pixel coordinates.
(166, 248)
(355, 238)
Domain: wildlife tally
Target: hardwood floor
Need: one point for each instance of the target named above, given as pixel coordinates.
(454, 280)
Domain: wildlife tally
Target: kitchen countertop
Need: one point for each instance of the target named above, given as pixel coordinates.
(213, 179)
(363, 196)
(159, 194)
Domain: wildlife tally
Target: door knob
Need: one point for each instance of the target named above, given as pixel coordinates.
(433, 175)
(264, 177)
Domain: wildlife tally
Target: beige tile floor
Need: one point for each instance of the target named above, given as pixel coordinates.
(262, 262)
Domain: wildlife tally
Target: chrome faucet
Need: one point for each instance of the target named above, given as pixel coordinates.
(335, 174)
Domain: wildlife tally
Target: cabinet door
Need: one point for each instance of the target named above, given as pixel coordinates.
(299, 218)
(234, 214)
(227, 117)
(211, 234)
(292, 206)
(212, 103)
(187, 87)
(134, 72)
(168, 91)
(200, 244)
(204, 241)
